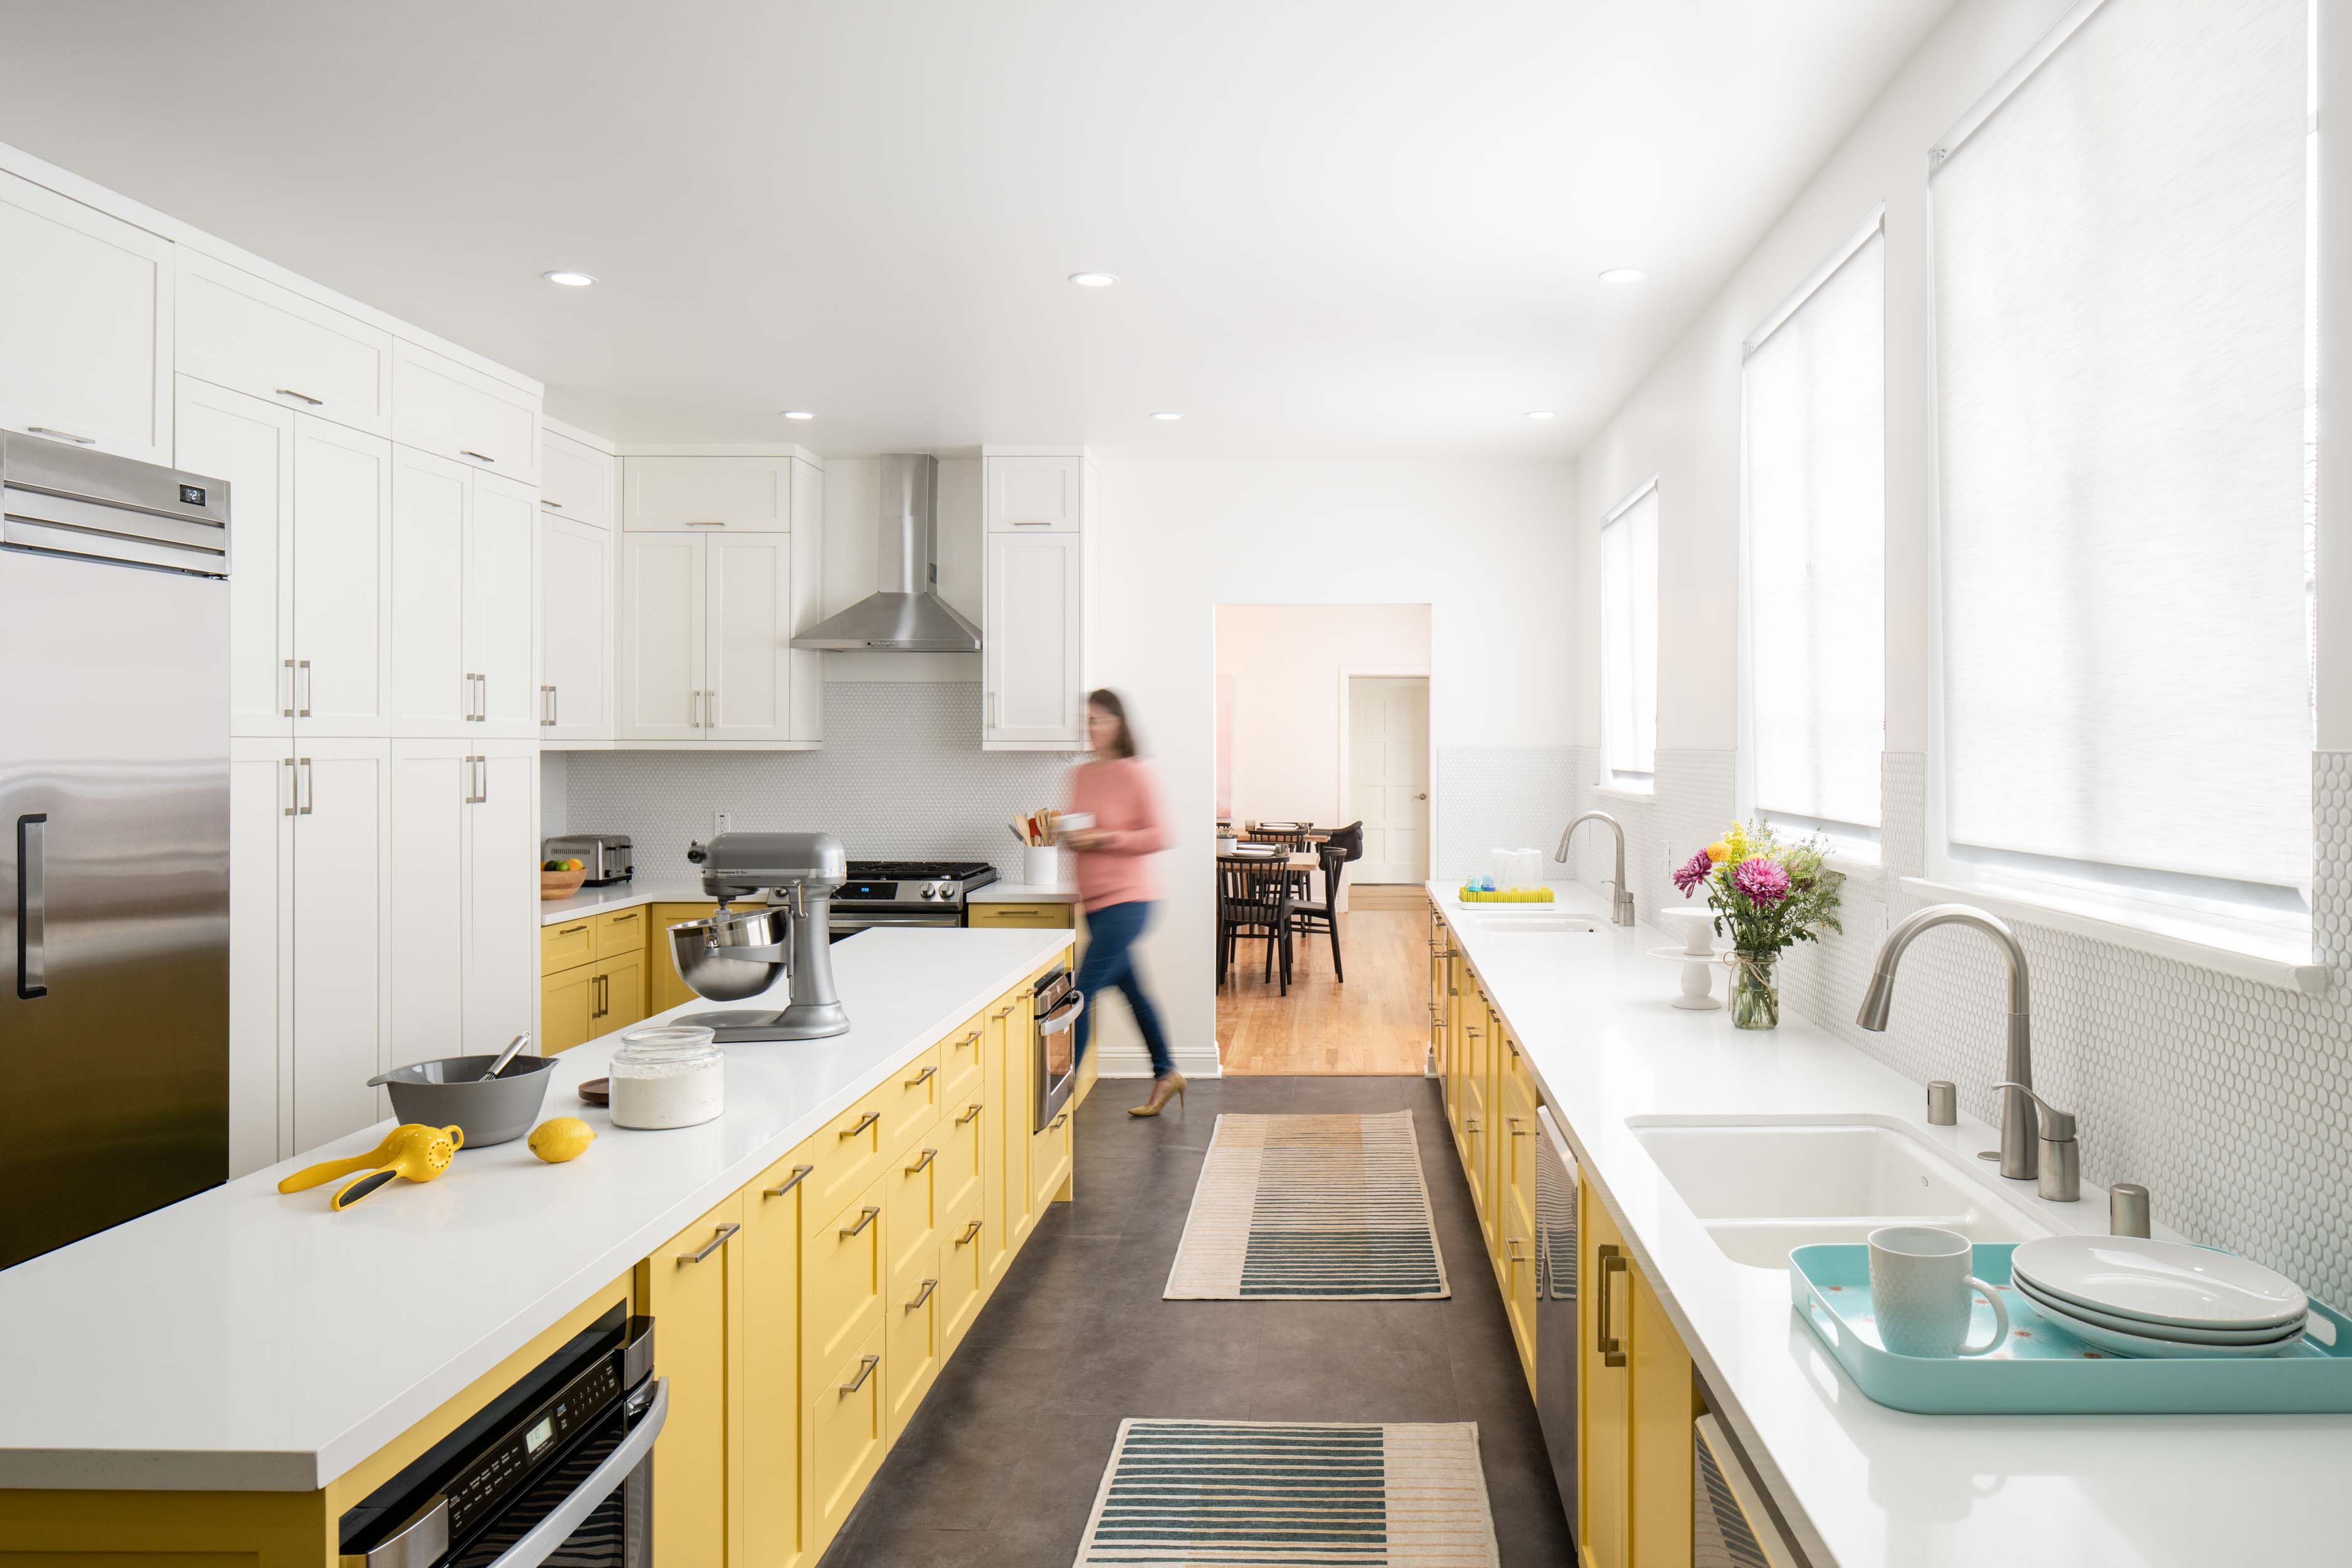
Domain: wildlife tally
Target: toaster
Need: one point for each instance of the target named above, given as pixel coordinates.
(606, 855)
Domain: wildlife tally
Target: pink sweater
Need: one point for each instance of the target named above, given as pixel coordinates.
(1126, 805)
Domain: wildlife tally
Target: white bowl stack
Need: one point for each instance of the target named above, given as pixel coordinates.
(2135, 1296)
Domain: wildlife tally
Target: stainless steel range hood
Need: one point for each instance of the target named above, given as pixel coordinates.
(908, 616)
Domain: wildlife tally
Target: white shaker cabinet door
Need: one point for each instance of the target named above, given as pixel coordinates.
(342, 577)
(432, 783)
(500, 527)
(1033, 642)
(85, 325)
(659, 676)
(342, 861)
(433, 692)
(576, 479)
(251, 444)
(502, 963)
(261, 802)
(749, 636)
(238, 331)
(441, 405)
(1043, 493)
(575, 630)
(744, 494)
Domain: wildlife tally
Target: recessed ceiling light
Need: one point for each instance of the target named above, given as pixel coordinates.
(1624, 275)
(798, 413)
(569, 279)
(1094, 279)
(1167, 414)
(1539, 414)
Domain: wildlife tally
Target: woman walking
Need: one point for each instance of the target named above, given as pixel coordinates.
(1115, 881)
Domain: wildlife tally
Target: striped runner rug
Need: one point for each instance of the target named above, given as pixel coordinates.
(1312, 1209)
(1184, 1493)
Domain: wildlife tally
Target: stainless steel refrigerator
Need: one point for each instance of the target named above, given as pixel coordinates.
(113, 840)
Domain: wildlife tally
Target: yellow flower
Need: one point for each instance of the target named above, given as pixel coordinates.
(1736, 842)
(1718, 851)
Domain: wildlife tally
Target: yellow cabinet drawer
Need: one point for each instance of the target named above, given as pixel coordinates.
(1475, 1139)
(1049, 1160)
(1021, 917)
(567, 1009)
(960, 1065)
(910, 1239)
(623, 931)
(568, 945)
(913, 1351)
(693, 1287)
(849, 1428)
(962, 1139)
(910, 1102)
(775, 1523)
(856, 1145)
(843, 1273)
(1515, 1068)
(963, 1273)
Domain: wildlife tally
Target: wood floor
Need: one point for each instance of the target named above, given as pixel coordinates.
(1376, 1023)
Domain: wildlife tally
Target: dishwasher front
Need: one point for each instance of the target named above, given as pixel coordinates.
(1555, 1184)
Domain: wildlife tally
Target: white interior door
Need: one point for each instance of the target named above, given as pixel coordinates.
(749, 637)
(499, 530)
(251, 444)
(430, 781)
(501, 968)
(575, 628)
(341, 862)
(342, 558)
(1387, 775)
(430, 499)
(659, 676)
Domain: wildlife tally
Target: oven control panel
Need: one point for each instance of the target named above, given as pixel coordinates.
(496, 1470)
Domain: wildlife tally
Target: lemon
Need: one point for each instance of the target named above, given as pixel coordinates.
(561, 1138)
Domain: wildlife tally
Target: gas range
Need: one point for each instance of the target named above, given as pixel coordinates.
(908, 892)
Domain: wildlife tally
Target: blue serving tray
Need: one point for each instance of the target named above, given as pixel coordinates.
(2042, 1370)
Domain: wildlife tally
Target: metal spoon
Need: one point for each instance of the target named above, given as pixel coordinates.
(514, 1048)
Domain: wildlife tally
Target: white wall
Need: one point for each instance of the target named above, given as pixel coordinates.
(1285, 661)
(1484, 544)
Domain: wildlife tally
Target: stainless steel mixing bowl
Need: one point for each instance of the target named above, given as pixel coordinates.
(732, 954)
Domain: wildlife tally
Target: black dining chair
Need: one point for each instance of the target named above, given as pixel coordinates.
(1253, 903)
(1311, 917)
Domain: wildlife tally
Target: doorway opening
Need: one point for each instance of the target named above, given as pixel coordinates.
(1322, 754)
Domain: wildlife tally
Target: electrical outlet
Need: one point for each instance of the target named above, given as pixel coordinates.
(720, 821)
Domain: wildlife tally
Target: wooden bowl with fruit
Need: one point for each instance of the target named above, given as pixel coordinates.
(561, 878)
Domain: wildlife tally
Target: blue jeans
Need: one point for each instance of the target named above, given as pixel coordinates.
(1110, 961)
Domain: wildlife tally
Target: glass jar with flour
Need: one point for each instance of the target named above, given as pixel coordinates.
(668, 1075)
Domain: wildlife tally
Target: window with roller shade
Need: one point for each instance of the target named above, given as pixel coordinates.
(1814, 408)
(2124, 362)
(1629, 640)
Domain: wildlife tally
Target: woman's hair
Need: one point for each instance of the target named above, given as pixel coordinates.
(1104, 697)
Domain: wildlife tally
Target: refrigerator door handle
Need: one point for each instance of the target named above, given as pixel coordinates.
(32, 906)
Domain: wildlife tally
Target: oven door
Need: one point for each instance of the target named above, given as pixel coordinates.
(1058, 1056)
(847, 918)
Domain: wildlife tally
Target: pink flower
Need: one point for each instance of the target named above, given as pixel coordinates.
(1692, 872)
(1763, 880)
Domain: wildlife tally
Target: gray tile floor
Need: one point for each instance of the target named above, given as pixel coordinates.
(1001, 1463)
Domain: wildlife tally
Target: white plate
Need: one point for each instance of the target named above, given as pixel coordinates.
(2140, 1345)
(2166, 1282)
(2051, 1305)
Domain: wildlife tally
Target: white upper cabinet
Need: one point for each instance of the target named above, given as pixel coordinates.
(464, 895)
(1043, 494)
(342, 562)
(244, 332)
(576, 479)
(704, 651)
(440, 406)
(500, 528)
(659, 679)
(85, 325)
(251, 444)
(739, 494)
(575, 629)
(748, 635)
(461, 597)
(1032, 646)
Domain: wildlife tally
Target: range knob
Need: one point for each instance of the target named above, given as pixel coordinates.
(936, 890)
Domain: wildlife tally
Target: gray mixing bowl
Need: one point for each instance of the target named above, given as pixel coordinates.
(451, 1091)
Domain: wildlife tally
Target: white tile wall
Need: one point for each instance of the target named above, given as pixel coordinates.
(1502, 797)
(901, 775)
(2232, 1101)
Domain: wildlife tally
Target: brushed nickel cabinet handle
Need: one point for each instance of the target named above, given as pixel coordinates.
(293, 789)
(703, 525)
(1517, 1130)
(546, 705)
(302, 699)
(967, 1040)
(970, 1235)
(478, 456)
(287, 711)
(1511, 1245)
(571, 930)
(865, 1122)
(924, 1164)
(866, 1365)
(1056, 1126)
(1613, 1261)
(310, 789)
(725, 1233)
(922, 1295)
(289, 391)
(799, 1173)
(968, 1112)
(546, 500)
(62, 434)
(865, 1216)
(922, 1077)
(1007, 1010)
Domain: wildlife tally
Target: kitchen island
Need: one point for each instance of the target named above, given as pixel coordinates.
(1861, 1485)
(246, 1341)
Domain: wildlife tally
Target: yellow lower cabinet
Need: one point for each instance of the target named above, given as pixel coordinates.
(664, 989)
(843, 1275)
(1049, 1161)
(961, 1061)
(1021, 917)
(964, 1154)
(621, 992)
(776, 1527)
(1008, 1035)
(849, 1431)
(621, 932)
(1637, 1403)
(963, 1273)
(1664, 1408)
(849, 1153)
(914, 1350)
(568, 945)
(694, 1290)
(1476, 1136)
(910, 1222)
(567, 1009)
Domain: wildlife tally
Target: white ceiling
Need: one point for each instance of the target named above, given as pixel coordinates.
(1340, 225)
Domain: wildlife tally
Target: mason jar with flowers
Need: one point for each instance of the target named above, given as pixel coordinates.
(1767, 896)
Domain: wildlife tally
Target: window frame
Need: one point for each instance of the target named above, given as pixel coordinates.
(1633, 782)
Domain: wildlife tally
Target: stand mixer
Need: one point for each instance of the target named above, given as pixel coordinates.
(738, 954)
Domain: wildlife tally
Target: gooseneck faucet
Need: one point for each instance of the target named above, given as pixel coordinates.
(1620, 908)
(2019, 1131)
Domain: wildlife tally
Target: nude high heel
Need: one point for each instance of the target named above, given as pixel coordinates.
(1161, 1090)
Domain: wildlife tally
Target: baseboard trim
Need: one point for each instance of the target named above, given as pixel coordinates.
(1133, 1061)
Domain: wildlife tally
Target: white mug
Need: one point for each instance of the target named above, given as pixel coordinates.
(1920, 1288)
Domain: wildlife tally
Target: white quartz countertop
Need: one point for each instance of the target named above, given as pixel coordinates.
(1866, 1486)
(627, 895)
(1022, 893)
(241, 1340)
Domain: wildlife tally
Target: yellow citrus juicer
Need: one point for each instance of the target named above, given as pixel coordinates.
(412, 1150)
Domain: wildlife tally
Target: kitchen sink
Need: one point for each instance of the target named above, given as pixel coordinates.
(1763, 1187)
(1547, 921)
